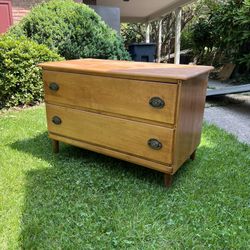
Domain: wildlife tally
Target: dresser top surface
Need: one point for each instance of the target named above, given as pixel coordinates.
(135, 70)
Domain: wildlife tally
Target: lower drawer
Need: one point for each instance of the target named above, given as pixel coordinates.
(136, 138)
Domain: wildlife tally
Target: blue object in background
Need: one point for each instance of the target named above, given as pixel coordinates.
(143, 52)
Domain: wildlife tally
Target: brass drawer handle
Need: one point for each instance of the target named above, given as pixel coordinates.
(54, 86)
(56, 120)
(156, 102)
(154, 144)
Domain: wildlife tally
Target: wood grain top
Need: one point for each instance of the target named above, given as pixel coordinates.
(127, 69)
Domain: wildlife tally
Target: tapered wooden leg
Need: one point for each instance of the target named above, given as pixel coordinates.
(55, 146)
(168, 179)
(192, 156)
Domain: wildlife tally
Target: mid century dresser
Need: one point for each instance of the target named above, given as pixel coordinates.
(145, 113)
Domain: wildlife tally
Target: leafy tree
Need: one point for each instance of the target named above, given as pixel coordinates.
(224, 33)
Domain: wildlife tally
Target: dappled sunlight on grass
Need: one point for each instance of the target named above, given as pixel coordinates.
(80, 200)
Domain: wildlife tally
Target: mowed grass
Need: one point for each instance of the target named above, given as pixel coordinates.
(83, 200)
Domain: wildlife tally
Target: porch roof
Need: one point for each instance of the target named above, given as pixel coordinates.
(143, 10)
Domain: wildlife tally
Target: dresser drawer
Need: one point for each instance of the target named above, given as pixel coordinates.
(153, 101)
(135, 138)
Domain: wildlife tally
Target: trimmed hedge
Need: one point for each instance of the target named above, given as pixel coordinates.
(73, 30)
(20, 78)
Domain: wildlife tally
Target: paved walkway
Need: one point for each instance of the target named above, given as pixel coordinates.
(231, 112)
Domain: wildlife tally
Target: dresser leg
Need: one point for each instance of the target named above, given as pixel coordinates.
(168, 179)
(55, 146)
(192, 156)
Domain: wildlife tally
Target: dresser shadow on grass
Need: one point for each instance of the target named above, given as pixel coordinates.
(68, 193)
(74, 158)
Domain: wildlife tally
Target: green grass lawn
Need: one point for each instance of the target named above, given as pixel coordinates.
(83, 200)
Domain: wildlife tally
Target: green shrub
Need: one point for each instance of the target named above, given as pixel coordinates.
(73, 30)
(20, 78)
(225, 32)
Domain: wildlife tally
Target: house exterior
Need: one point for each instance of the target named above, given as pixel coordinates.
(12, 11)
(6, 16)
(18, 8)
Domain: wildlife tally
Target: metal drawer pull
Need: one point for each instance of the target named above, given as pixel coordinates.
(56, 120)
(154, 144)
(156, 102)
(53, 86)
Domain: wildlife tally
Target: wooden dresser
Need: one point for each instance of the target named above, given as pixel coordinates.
(146, 113)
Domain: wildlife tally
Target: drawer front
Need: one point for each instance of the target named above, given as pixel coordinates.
(146, 100)
(136, 138)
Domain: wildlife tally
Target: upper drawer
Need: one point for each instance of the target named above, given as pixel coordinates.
(146, 100)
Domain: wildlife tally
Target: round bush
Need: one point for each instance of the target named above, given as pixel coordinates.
(73, 30)
(20, 78)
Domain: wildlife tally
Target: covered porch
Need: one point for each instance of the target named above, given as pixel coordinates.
(146, 11)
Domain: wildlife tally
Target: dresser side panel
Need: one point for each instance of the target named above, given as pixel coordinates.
(190, 111)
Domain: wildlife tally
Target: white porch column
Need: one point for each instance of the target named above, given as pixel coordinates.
(159, 42)
(177, 45)
(148, 33)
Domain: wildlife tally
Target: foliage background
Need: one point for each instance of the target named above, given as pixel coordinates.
(223, 34)
(217, 32)
(20, 78)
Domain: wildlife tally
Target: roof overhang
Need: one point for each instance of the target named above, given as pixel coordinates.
(143, 10)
